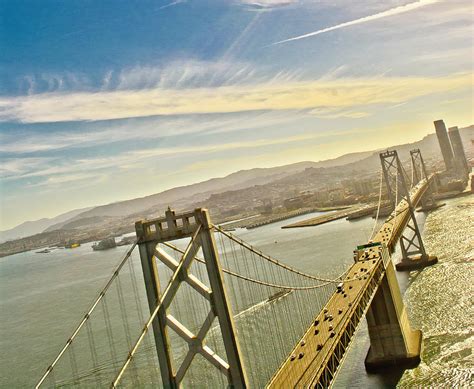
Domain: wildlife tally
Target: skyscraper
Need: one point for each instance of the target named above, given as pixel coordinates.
(458, 149)
(444, 144)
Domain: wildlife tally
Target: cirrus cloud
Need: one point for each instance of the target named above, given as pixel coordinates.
(268, 4)
(277, 96)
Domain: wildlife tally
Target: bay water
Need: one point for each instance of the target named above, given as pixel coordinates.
(43, 296)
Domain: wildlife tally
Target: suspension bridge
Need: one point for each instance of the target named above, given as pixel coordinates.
(200, 306)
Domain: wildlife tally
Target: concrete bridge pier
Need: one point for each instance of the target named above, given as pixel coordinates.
(392, 341)
(416, 262)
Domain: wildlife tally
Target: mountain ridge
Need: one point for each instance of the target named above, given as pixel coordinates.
(32, 227)
(182, 196)
(236, 180)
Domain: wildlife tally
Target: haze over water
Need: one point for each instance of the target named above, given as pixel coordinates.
(43, 296)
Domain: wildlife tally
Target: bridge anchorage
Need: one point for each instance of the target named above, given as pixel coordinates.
(414, 254)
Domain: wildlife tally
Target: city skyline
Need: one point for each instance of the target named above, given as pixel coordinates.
(101, 103)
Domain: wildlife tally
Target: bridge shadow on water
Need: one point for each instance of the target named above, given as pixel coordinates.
(354, 375)
(389, 377)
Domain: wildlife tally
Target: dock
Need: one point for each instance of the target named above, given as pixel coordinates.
(329, 217)
(350, 213)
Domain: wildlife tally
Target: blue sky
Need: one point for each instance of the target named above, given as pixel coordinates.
(102, 101)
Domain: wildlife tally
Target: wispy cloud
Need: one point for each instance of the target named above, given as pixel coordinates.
(268, 4)
(173, 73)
(211, 148)
(50, 171)
(173, 3)
(15, 167)
(153, 128)
(291, 95)
(335, 113)
(450, 55)
(380, 15)
(52, 82)
(59, 180)
(189, 73)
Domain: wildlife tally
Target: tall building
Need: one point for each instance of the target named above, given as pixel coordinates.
(444, 144)
(458, 149)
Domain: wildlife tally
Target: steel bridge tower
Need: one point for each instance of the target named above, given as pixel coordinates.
(414, 254)
(197, 226)
(419, 173)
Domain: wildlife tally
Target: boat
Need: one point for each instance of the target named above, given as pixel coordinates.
(281, 293)
(72, 245)
(127, 240)
(105, 244)
(44, 251)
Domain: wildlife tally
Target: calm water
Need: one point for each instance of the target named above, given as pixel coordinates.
(42, 296)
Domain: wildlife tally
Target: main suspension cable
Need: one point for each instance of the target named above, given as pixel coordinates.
(273, 260)
(255, 281)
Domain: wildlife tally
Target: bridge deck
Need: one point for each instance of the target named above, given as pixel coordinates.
(315, 359)
(324, 343)
(393, 227)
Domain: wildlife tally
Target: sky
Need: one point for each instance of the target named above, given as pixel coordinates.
(102, 101)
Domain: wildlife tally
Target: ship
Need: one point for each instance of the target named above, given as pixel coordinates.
(127, 240)
(105, 244)
(281, 293)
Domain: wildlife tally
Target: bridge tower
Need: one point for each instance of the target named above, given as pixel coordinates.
(197, 226)
(414, 255)
(419, 173)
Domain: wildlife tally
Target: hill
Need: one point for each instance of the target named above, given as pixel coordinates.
(33, 227)
(200, 191)
(186, 196)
